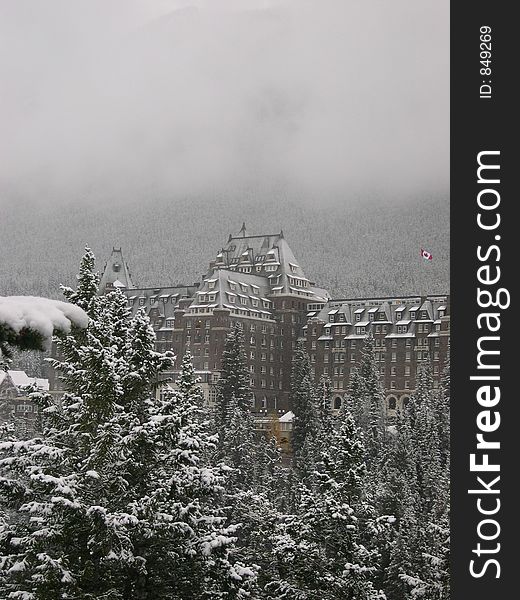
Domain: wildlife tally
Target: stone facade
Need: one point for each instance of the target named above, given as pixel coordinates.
(257, 283)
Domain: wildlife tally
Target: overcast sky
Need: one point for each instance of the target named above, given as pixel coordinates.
(142, 98)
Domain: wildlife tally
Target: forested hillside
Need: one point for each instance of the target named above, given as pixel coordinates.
(351, 248)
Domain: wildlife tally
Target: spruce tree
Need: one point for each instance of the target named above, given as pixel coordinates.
(305, 401)
(317, 548)
(367, 402)
(115, 499)
(233, 390)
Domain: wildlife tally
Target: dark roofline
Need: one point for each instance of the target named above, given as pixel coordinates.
(159, 287)
(428, 296)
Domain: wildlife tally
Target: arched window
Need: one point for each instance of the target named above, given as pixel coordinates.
(392, 402)
(337, 403)
(405, 401)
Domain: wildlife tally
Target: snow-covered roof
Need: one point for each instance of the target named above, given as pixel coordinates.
(288, 417)
(21, 379)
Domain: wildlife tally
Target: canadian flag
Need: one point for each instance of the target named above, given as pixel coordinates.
(426, 255)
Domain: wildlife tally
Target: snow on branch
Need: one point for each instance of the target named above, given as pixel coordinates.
(40, 315)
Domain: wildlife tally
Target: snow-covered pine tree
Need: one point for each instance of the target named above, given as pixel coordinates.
(317, 549)
(305, 401)
(86, 293)
(113, 500)
(415, 484)
(233, 388)
(366, 400)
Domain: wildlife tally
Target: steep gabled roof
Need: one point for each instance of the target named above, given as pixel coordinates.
(116, 273)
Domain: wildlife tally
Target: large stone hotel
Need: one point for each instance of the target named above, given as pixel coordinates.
(257, 283)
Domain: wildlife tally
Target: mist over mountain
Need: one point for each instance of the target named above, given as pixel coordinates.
(354, 248)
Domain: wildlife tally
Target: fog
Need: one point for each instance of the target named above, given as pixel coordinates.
(142, 99)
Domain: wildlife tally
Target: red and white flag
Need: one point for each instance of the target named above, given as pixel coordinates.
(426, 255)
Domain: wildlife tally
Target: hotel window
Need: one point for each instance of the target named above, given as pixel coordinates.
(407, 370)
(408, 356)
(406, 385)
(252, 383)
(393, 371)
(252, 355)
(263, 356)
(435, 356)
(394, 357)
(142, 301)
(437, 342)
(326, 358)
(378, 328)
(252, 340)
(392, 385)
(325, 370)
(394, 343)
(408, 342)
(327, 345)
(313, 345)
(263, 370)
(352, 358)
(251, 368)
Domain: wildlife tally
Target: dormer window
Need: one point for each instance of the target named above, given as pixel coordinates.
(358, 317)
(116, 267)
(412, 314)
